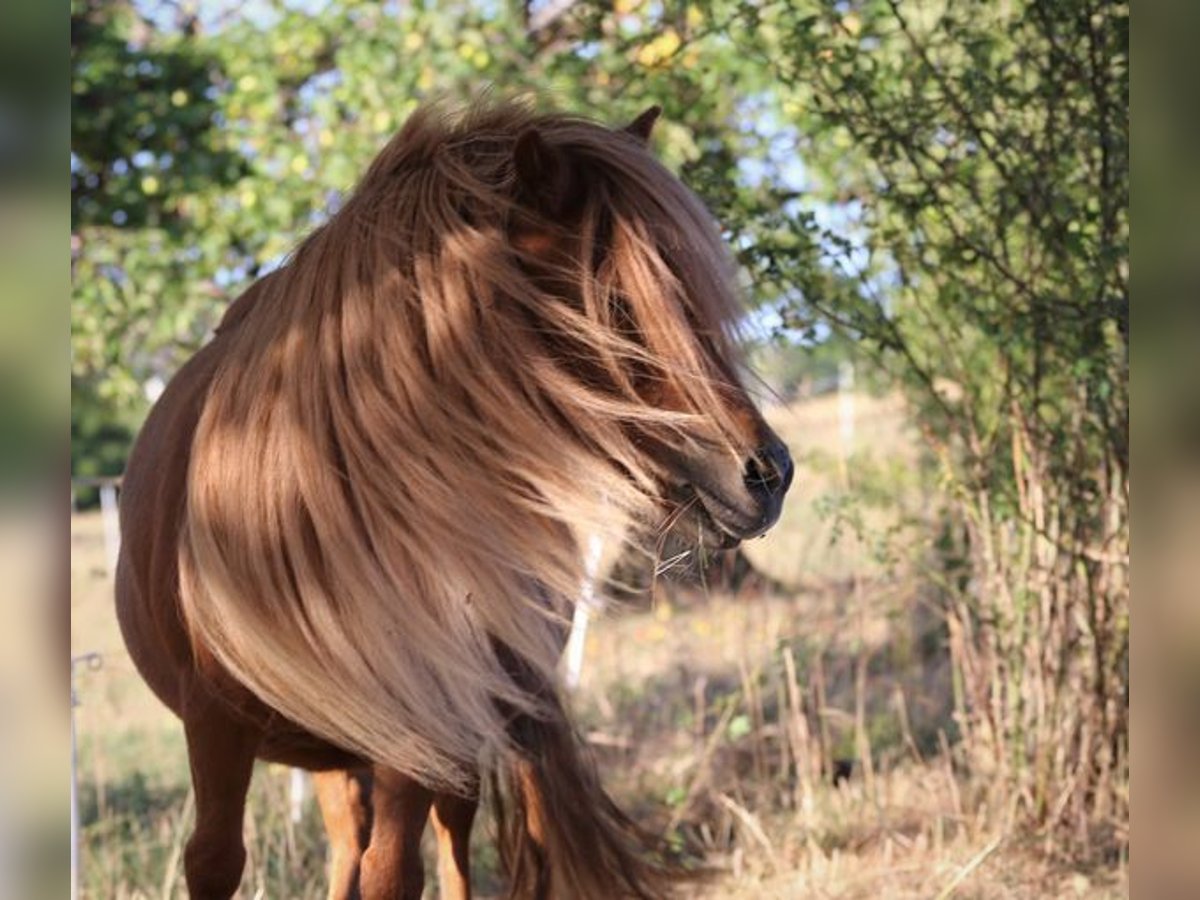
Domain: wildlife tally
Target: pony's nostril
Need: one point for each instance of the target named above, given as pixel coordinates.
(769, 471)
(758, 477)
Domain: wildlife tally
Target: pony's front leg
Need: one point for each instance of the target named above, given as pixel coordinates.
(391, 866)
(345, 803)
(221, 753)
(452, 819)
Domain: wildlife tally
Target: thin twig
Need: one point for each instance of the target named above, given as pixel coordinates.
(974, 863)
(752, 824)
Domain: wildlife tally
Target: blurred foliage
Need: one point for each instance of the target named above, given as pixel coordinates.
(939, 187)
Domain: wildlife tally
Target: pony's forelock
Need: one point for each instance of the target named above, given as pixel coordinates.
(410, 431)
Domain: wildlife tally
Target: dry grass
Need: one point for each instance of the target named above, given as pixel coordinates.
(719, 720)
(688, 705)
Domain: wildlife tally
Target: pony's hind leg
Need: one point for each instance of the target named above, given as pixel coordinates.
(221, 754)
(344, 798)
(391, 866)
(452, 819)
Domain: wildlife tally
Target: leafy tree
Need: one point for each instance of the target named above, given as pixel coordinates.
(145, 152)
(982, 151)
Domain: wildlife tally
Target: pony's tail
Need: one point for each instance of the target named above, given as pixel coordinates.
(561, 836)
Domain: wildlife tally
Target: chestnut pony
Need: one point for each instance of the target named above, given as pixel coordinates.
(352, 523)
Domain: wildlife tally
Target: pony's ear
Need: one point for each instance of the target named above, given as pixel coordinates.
(545, 176)
(641, 127)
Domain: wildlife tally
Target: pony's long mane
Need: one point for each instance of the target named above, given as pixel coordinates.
(411, 426)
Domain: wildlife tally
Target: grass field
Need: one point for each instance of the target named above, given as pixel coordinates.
(719, 720)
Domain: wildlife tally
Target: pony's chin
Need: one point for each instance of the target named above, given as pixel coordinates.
(684, 550)
(717, 534)
(707, 528)
(733, 522)
(717, 538)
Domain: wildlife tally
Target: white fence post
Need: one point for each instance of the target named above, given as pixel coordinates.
(297, 794)
(112, 525)
(846, 406)
(573, 655)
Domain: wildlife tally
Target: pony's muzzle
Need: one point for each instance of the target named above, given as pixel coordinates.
(767, 476)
